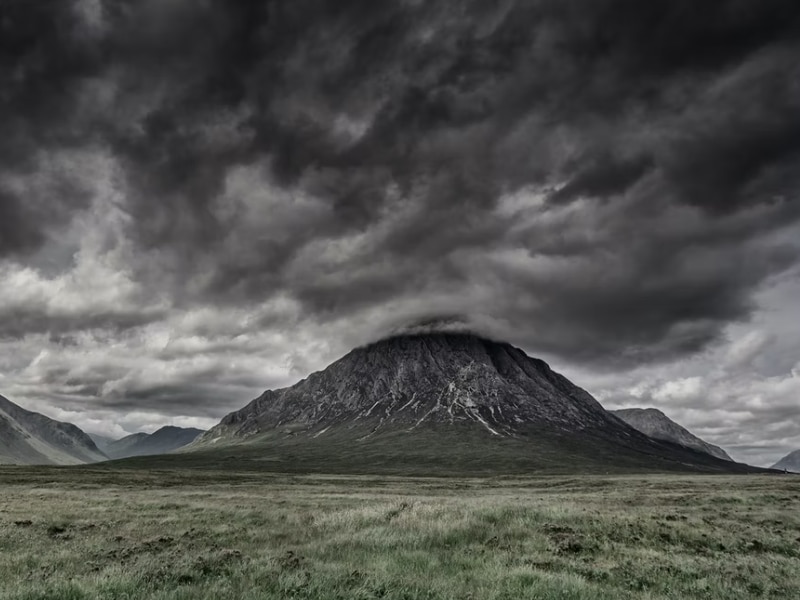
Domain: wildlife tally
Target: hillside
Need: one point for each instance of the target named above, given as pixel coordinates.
(656, 424)
(29, 438)
(790, 462)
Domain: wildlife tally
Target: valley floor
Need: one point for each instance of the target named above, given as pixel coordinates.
(94, 533)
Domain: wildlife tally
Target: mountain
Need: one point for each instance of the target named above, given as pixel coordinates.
(437, 403)
(29, 438)
(656, 424)
(123, 447)
(101, 441)
(790, 462)
(167, 439)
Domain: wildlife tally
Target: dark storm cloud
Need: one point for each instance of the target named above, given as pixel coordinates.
(110, 386)
(20, 322)
(375, 147)
(43, 61)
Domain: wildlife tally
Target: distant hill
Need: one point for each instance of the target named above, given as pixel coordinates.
(437, 403)
(119, 448)
(656, 424)
(790, 462)
(167, 439)
(29, 438)
(101, 441)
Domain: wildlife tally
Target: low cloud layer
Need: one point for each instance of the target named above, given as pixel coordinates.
(199, 200)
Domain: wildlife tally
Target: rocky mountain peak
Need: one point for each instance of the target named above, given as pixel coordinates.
(423, 380)
(438, 402)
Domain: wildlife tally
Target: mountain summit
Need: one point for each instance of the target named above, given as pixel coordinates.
(417, 381)
(442, 397)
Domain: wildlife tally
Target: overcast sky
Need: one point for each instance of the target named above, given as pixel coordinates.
(202, 199)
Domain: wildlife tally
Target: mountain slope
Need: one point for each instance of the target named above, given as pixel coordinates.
(790, 462)
(101, 441)
(167, 439)
(438, 403)
(656, 424)
(29, 438)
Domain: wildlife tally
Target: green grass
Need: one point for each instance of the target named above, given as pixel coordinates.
(126, 534)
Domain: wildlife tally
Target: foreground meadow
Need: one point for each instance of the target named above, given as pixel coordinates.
(68, 534)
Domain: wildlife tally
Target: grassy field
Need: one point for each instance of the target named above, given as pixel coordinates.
(99, 533)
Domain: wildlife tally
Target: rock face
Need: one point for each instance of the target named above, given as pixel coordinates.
(790, 462)
(418, 381)
(656, 424)
(167, 439)
(29, 438)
